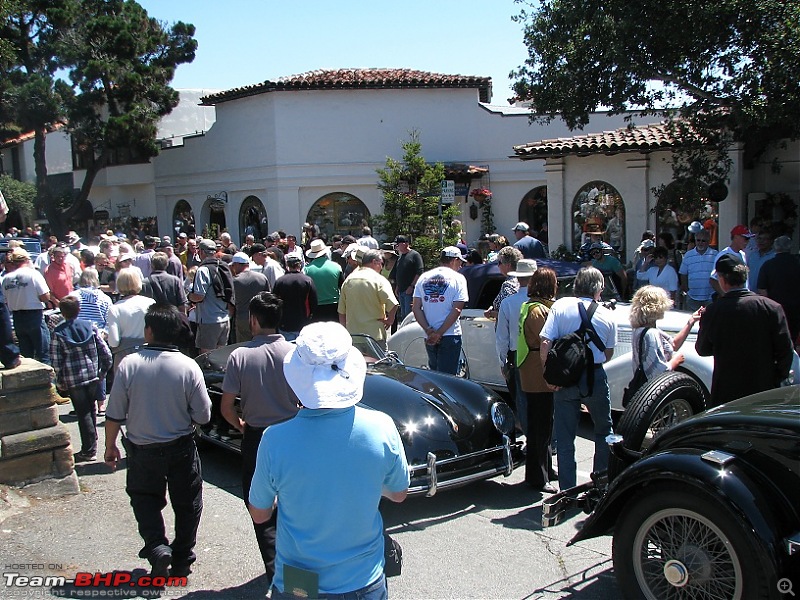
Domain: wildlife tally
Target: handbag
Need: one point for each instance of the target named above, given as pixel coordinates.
(639, 377)
(393, 556)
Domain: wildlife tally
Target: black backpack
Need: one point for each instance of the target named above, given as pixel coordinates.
(221, 279)
(571, 355)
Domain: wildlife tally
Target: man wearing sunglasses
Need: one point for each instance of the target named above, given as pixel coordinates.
(695, 271)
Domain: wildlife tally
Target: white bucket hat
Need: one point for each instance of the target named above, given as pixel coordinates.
(317, 249)
(324, 369)
(525, 268)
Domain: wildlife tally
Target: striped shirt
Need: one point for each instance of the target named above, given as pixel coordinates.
(698, 267)
(94, 306)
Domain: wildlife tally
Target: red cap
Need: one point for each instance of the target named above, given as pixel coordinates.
(742, 230)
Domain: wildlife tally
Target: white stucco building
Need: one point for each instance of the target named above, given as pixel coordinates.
(275, 155)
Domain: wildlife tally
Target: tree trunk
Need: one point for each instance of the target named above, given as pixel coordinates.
(44, 198)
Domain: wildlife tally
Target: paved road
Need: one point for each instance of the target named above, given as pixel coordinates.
(482, 541)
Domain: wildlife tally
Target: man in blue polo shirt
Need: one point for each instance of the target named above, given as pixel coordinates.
(330, 533)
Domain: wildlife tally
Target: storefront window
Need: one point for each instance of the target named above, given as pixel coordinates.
(599, 208)
(340, 213)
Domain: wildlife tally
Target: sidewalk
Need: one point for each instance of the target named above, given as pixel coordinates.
(95, 532)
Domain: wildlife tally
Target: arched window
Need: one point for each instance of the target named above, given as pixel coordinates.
(183, 219)
(599, 208)
(253, 219)
(339, 212)
(533, 208)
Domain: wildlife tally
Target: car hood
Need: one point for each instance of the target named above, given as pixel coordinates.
(413, 396)
(774, 411)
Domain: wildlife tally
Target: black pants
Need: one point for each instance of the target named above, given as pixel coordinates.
(265, 532)
(326, 312)
(539, 458)
(84, 401)
(154, 468)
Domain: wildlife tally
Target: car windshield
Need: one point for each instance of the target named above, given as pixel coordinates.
(369, 348)
(32, 246)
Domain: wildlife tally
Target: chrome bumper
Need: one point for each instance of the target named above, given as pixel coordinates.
(431, 469)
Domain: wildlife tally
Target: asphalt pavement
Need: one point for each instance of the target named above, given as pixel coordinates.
(480, 541)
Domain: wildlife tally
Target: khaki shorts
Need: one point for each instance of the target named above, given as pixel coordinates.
(212, 335)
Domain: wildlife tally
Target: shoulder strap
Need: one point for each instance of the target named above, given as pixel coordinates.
(641, 347)
(586, 324)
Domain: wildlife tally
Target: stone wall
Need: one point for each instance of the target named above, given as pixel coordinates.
(34, 444)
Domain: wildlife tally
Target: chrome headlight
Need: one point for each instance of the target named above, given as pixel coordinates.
(503, 418)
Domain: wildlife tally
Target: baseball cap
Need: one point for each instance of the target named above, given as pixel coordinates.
(183, 236)
(452, 252)
(293, 259)
(240, 258)
(521, 226)
(743, 231)
(401, 239)
(695, 227)
(208, 246)
(727, 263)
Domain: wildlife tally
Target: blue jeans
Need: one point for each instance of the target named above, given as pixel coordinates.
(444, 355)
(405, 304)
(32, 334)
(374, 591)
(567, 412)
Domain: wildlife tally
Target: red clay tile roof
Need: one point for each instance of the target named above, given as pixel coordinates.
(352, 79)
(645, 138)
(24, 137)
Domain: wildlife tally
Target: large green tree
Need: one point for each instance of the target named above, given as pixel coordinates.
(119, 63)
(729, 70)
(411, 190)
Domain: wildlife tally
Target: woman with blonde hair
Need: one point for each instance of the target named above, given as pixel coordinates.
(126, 316)
(659, 350)
(542, 289)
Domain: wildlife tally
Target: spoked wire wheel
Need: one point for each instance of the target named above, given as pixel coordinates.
(681, 554)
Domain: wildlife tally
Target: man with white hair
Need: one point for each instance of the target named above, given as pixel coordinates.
(350, 456)
(565, 317)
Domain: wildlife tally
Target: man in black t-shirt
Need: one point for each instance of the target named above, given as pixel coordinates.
(299, 295)
(406, 271)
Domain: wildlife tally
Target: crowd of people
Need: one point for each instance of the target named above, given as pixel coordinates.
(120, 318)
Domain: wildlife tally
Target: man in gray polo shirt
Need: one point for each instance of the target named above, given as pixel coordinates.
(254, 372)
(158, 393)
(213, 318)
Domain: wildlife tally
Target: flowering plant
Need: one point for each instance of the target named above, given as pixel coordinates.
(481, 194)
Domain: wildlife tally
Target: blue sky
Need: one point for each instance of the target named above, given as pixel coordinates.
(242, 42)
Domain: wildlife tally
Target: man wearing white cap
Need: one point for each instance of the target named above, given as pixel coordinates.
(439, 297)
(246, 284)
(330, 532)
(507, 334)
(526, 243)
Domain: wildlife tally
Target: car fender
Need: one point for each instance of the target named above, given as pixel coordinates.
(739, 487)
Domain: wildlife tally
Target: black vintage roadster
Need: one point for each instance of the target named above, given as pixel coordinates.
(454, 431)
(709, 509)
